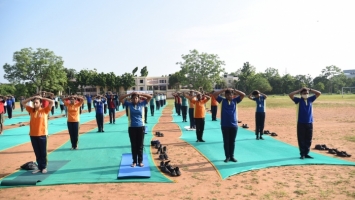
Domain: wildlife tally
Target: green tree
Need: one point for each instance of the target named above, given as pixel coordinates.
(127, 81)
(134, 71)
(118, 83)
(201, 69)
(41, 67)
(144, 71)
(7, 89)
(259, 82)
(176, 79)
(319, 86)
(110, 81)
(100, 80)
(246, 76)
(83, 78)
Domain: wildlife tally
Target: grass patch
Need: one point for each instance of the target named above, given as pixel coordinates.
(350, 138)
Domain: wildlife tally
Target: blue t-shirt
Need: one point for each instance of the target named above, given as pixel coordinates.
(99, 105)
(229, 111)
(260, 104)
(304, 110)
(88, 98)
(9, 102)
(135, 113)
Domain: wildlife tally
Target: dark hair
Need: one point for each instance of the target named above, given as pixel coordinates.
(40, 101)
(227, 92)
(303, 90)
(255, 92)
(133, 95)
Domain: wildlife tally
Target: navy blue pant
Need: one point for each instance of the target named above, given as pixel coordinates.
(112, 113)
(89, 107)
(304, 136)
(214, 112)
(178, 108)
(152, 110)
(9, 111)
(200, 127)
(191, 117)
(158, 104)
(184, 112)
(39, 144)
(229, 135)
(259, 123)
(136, 136)
(161, 103)
(73, 128)
(100, 121)
(145, 114)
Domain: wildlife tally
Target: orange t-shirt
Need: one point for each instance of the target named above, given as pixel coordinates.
(214, 102)
(38, 121)
(191, 105)
(199, 111)
(73, 111)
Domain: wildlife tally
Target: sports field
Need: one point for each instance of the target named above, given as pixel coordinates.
(334, 126)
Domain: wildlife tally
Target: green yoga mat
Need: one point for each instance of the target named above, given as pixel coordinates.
(27, 178)
(251, 153)
(16, 136)
(99, 156)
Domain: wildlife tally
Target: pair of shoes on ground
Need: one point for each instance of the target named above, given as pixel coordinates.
(321, 147)
(159, 134)
(267, 132)
(339, 153)
(239, 121)
(200, 140)
(100, 131)
(162, 149)
(167, 168)
(155, 143)
(306, 156)
(230, 159)
(245, 126)
(74, 148)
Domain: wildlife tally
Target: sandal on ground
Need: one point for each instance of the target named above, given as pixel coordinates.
(35, 171)
(133, 164)
(141, 164)
(44, 171)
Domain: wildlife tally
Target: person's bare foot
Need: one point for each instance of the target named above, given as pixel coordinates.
(141, 164)
(44, 171)
(133, 164)
(35, 171)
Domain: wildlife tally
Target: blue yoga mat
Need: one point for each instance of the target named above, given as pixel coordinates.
(126, 171)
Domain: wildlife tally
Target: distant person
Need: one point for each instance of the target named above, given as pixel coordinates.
(21, 99)
(199, 114)
(152, 103)
(157, 101)
(73, 104)
(9, 106)
(39, 130)
(305, 119)
(214, 106)
(184, 105)
(229, 122)
(99, 103)
(89, 101)
(259, 99)
(136, 127)
(2, 112)
(191, 110)
(111, 103)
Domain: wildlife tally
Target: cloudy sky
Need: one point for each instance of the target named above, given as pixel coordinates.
(296, 37)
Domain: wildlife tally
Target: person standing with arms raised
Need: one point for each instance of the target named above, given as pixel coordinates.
(39, 130)
(199, 113)
(259, 99)
(73, 107)
(229, 122)
(136, 124)
(304, 118)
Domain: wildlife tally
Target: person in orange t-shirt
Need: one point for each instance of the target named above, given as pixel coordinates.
(39, 130)
(2, 112)
(73, 107)
(214, 106)
(199, 113)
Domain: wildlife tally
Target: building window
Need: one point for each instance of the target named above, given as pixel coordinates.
(162, 81)
(155, 87)
(162, 87)
(140, 81)
(141, 88)
(133, 88)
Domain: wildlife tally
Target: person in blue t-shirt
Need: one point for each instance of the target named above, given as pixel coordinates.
(99, 103)
(229, 122)
(88, 101)
(259, 99)
(9, 106)
(136, 124)
(304, 119)
(152, 103)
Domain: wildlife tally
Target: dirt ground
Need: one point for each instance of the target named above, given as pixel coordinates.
(199, 180)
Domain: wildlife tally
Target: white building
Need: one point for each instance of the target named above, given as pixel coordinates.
(350, 73)
(151, 83)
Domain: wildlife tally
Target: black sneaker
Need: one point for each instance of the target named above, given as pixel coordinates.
(177, 171)
(302, 157)
(261, 137)
(162, 164)
(164, 149)
(165, 156)
(233, 160)
(161, 157)
(257, 137)
(226, 160)
(308, 156)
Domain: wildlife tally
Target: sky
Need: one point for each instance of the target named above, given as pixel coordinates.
(295, 37)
